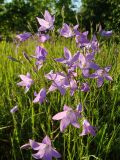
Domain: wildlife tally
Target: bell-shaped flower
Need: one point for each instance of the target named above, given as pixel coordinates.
(68, 59)
(45, 149)
(106, 33)
(85, 87)
(47, 23)
(87, 128)
(23, 37)
(86, 63)
(14, 109)
(67, 32)
(40, 97)
(102, 74)
(82, 40)
(68, 116)
(43, 37)
(60, 81)
(40, 55)
(26, 81)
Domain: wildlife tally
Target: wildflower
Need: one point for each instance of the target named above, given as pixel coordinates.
(67, 31)
(45, 150)
(68, 116)
(26, 81)
(23, 37)
(101, 74)
(14, 109)
(40, 56)
(68, 59)
(60, 81)
(106, 33)
(85, 87)
(86, 63)
(40, 97)
(81, 39)
(47, 22)
(43, 38)
(87, 128)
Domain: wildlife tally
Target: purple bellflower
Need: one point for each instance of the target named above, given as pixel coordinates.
(23, 37)
(45, 150)
(43, 38)
(106, 33)
(87, 128)
(68, 116)
(102, 74)
(40, 97)
(14, 109)
(40, 56)
(47, 22)
(67, 32)
(85, 87)
(81, 39)
(93, 44)
(26, 81)
(60, 81)
(68, 59)
(86, 63)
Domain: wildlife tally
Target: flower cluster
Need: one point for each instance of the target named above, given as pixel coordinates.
(68, 79)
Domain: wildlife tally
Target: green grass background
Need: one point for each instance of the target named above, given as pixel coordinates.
(33, 121)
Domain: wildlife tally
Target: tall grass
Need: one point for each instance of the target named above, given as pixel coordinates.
(34, 121)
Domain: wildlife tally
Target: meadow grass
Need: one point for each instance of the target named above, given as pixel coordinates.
(34, 121)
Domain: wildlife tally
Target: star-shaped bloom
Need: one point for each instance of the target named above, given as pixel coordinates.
(86, 63)
(67, 32)
(40, 97)
(68, 59)
(26, 81)
(45, 149)
(81, 39)
(60, 81)
(47, 22)
(102, 74)
(85, 87)
(87, 128)
(40, 56)
(68, 116)
(24, 36)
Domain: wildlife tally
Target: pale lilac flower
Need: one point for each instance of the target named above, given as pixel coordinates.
(81, 39)
(26, 81)
(106, 33)
(87, 128)
(85, 87)
(86, 63)
(43, 38)
(68, 59)
(102, 74)
(60, 81)
(24, 36)
(40, 56)
(93, 44)
(47, 22)
(14, 109)
(45, 150)
(68, 116)
(40, 97)
(66, 31)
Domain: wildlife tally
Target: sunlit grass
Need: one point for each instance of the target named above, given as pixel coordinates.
(34, 121)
